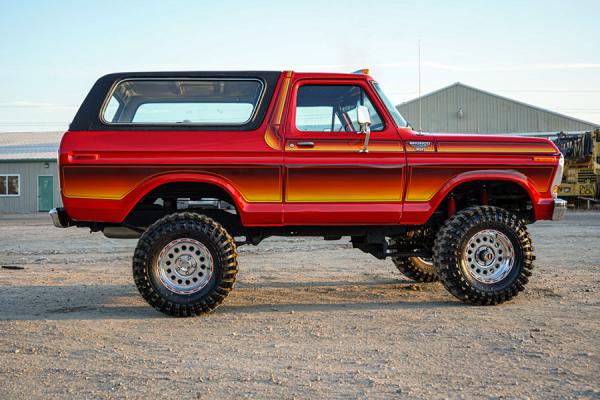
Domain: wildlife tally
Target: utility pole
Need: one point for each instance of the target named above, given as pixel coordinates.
(419, 63)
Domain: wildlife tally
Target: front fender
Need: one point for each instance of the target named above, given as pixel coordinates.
(419, 212)
(487, 175)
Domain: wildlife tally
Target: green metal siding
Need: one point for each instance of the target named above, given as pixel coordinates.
(27, 201)
(483, 113)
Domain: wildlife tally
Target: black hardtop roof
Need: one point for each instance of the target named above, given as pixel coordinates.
(191, 74)
(88, 115)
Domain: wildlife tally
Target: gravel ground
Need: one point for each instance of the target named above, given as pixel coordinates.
(308, 319)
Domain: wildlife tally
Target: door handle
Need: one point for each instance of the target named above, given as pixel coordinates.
(306, 144)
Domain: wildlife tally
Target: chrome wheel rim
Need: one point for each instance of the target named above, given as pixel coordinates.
(185, 266)
(428, 261)
(488, 256)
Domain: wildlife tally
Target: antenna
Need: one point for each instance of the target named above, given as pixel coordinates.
(419, 63)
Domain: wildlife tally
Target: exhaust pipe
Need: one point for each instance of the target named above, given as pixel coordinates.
(120, 232)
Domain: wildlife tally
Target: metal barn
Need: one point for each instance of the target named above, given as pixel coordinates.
(459, 108)
(28, 172)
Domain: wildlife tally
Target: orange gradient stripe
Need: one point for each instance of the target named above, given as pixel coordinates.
(344, 184)
(338, 145)
(493, 147)
(425, 182)
(256, 184)
(272, 135)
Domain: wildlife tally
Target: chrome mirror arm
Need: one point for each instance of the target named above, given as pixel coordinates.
(364, 121)
(366, 129)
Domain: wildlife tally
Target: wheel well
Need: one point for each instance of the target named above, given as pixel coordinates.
(504, 194)
(203, 198)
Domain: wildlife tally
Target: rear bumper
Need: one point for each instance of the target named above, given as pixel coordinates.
(560, 207)
(60, 219)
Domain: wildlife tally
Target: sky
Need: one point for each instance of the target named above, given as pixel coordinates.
(546, 53)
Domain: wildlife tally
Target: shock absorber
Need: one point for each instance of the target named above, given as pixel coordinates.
(484, 196)
(451, 205)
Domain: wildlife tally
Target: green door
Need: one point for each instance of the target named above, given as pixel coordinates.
(45, 193)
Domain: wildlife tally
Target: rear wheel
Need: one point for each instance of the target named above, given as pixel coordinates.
(483, 255)
(416, 268)
(185, 264)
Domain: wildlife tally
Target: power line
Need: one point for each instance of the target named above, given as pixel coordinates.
(548, 90)
(38, 105)
(523, 91)
(36, 124)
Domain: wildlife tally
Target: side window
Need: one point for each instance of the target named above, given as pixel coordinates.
(189, 113)
(111, 109)
(185, 102)
(10, 185)
(333, 108)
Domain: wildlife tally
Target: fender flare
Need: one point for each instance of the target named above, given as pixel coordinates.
(153, 182)
(486, 175)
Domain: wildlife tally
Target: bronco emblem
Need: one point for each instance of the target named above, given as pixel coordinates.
(419, 146)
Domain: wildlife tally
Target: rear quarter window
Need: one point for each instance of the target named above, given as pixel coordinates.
(182, 102)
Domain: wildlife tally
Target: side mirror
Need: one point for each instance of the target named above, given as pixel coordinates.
(364, 118)
(364, 121)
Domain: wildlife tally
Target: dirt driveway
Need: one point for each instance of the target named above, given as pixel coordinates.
(308, 319)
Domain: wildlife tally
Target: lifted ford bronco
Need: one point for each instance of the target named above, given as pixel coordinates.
(188, 161)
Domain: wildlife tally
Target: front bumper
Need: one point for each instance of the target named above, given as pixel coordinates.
(60, 219)
(560, 207)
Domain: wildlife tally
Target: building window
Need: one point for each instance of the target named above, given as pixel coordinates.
(10, 185)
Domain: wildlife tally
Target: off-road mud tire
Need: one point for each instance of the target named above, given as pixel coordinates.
(202, 229)
(451, 240)
(416, 269)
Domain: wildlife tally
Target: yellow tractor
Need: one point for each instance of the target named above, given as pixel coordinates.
(581, 177)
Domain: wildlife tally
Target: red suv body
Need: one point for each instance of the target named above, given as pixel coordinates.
(279, 153)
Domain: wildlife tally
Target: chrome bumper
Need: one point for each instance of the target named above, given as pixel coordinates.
(60, 219)
(560, 206)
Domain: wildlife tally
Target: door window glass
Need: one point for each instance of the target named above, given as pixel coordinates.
(333, 108)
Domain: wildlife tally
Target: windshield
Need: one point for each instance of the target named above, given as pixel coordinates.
(398, 119)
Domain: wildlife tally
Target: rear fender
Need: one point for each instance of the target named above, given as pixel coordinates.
(136, 195)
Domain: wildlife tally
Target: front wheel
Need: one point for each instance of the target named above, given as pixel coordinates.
(483, 255)
(185, 264)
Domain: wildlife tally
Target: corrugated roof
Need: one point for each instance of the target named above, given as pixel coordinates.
(499, 97)
(16, 146)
